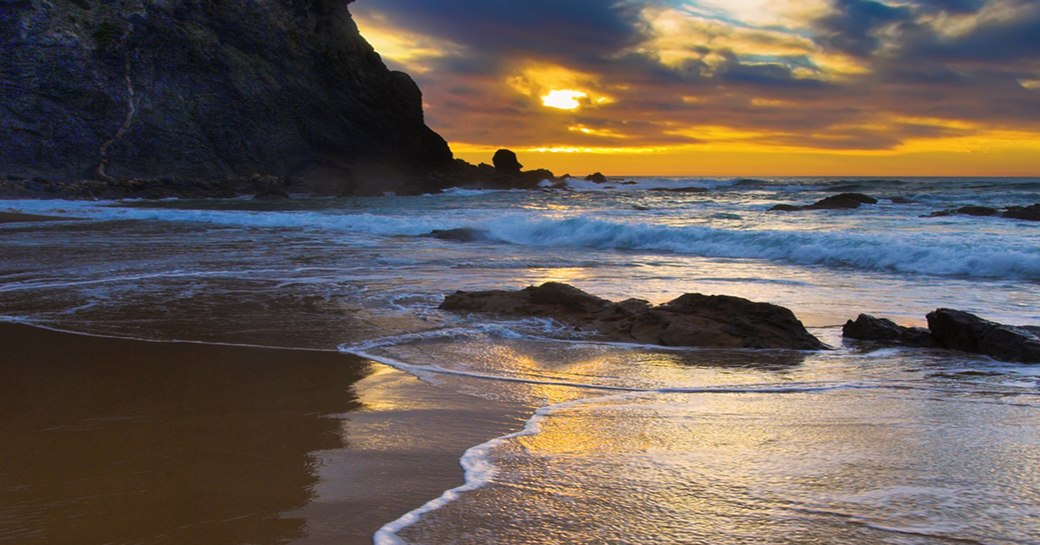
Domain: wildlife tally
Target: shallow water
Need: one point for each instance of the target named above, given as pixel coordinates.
(630, 444)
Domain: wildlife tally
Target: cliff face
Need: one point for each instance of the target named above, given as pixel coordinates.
(201, 89)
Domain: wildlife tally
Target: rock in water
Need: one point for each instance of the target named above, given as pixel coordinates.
(186, 89)
(461, 234)
(1031, 212)
(869, 328)
(691, 320)
(843, 201)
(506, 161)
(959, 330)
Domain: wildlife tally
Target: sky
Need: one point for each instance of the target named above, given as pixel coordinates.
(726, 88)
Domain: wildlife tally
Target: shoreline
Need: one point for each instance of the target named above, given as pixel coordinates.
(115, 439)
(19, 217)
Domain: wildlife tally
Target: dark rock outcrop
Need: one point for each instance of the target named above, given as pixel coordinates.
(462, 234)
(506, 161)
(188, 90)
(693, 320)
(270, 187)
(959, 330)
(485, 176)
(883, 330)
(597, 177)
(954, 330)
(981, 211)
(1029, 213)
(843, 201)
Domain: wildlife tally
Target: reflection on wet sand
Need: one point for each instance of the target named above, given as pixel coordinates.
(116, 441)
(110, 441)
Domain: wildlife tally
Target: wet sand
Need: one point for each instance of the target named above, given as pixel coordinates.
(18, 217)
(119, 441)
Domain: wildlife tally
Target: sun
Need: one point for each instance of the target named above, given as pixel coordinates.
(564, 99)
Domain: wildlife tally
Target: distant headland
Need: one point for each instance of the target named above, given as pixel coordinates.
(135, 98)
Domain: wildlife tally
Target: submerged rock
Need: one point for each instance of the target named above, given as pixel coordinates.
(868, 328)
(980, 211)
(693, 320)
(843, 201)
(959, 330)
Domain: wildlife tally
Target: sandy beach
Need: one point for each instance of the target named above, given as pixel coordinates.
(122, 441)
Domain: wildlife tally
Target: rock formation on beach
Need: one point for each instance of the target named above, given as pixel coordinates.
(868, 328)
(954, 330)
(692, 320)
(843, 201)
(182, 89)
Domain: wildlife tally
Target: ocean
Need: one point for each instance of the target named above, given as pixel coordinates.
(625, 443)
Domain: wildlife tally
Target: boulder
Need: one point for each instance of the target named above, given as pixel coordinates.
(959, 330)
(506, 161)
(1030, 213)
(980, 211)
(597, 177)
(461, 234)
(692, 320)
(843, 201)
(869, 328)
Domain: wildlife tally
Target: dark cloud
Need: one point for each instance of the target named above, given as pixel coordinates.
(911, 71)
(585, 29)
(852, 25)
(1010, 39)
(951, 6)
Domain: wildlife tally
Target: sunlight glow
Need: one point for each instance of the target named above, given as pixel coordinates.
(410, 50)
(602, 133)
(564, 99)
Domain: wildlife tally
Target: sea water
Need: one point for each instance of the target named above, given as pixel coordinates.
(626, 443)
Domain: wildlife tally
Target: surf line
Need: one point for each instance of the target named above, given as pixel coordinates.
(478, 470)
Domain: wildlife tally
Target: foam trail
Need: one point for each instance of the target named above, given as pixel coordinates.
(362, 350)
(132, 278)
(478, 471)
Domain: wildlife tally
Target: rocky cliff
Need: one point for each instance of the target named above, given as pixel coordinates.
(204, 89)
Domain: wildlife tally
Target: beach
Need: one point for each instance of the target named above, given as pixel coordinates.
(298, 379)
(121, 441)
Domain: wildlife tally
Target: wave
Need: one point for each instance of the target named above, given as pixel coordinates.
(935, 254)
(958, 253)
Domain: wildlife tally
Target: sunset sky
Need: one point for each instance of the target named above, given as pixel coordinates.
(736, 88)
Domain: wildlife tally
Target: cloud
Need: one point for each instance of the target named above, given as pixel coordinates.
(810, 74)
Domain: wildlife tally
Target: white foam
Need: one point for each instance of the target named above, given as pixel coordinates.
(959, 253)
(478, 471)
